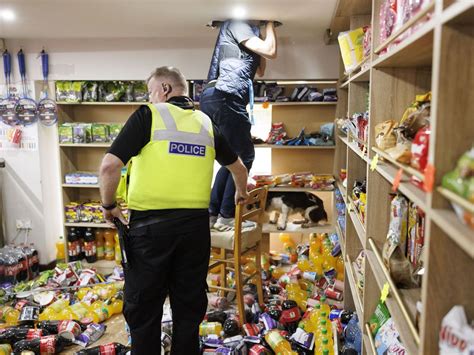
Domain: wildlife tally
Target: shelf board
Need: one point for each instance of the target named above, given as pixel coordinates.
(343, 190)
(88, 225)
(359, 226)
(296, 229)
(412, 192)
(306, 82)
(358, 76)
(459, 13)
(300, 103)
(401, 303)
(276, 146)
(354, 288)
(422, 13)
(81, 186)
(453, 197)
(342, 237)
(101, 103)
(414, 51)
(368, 338)
(353, 146)
(455, 229)
(85, 145)
(296, 189)
(408, 169)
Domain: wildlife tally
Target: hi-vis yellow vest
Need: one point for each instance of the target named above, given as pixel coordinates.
(174, 170)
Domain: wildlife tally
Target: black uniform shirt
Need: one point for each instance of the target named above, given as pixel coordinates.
(136, 134)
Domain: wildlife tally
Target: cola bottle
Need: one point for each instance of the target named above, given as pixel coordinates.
(24, 250)
(50, 344)
(51, 326)
(81, 251)
(90, 246)
(111, 348)
(23, 265)
(15, 334)
(12, 267)
(73, 246)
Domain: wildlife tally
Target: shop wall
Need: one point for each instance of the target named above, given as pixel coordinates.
(32, 183)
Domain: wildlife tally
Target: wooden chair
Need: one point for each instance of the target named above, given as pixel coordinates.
(240, 241)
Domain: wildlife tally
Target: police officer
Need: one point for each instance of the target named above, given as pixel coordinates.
(239, 54)
(170, 148)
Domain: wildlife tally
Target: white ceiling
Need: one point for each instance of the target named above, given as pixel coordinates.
(154, 18)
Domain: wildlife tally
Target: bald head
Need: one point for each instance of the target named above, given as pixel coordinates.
(166, 82)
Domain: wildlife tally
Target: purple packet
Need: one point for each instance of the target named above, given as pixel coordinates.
(306, 340)
(268, 322)
(92, 333)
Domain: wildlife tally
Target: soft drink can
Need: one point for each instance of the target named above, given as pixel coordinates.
(258, 350)
(251, 329)
(310, 276)
(333, 294)
(69, 329)
(335, 314)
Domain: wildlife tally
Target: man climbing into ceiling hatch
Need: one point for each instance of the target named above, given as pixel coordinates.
(240, 52)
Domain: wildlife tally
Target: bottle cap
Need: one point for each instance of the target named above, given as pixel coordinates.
(324, 331)
(325, 341)
(325, 352)
(324, 314)
(323, 298)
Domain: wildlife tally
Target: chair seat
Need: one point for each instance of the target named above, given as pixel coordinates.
(225, 240)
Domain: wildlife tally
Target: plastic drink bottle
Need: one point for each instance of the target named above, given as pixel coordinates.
(289, 247)
(90, 247)
(118, 252)
(73, 245)
(111, 348)
(80, 233)
(324, 306)
(249, 268)
(99, 240)
(59, 305)
(109, 245)
(278, 344)
(314, 243)
(277, 272)
(340, 268)
(208, 328)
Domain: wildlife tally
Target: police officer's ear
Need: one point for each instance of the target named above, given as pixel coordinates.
(166, 88)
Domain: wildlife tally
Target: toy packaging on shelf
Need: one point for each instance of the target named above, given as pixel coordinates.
(82, 178)
(359, 197)
(297, 180)
(88, 212)
(59, 308)
(323, 137)
(386, 337)
(303, 293)
(407, 142)
(341, 210)
(81, 133)
(101, 91)
(461, 182)
(351, 46)
(402, 250)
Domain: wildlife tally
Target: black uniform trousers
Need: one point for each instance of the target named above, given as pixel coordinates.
(170, 257)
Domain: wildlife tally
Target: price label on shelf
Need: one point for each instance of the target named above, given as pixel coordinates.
(385, 292)
(428, 181)
(374, 162)
(396, 181)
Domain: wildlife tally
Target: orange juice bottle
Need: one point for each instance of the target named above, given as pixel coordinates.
(60, 250)
(99, 240)
(109, 245)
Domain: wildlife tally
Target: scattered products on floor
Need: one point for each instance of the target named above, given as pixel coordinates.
(81, 133)
(101, 91)
(301, 310)
(325, 137)
(461, 182)
(60, 307)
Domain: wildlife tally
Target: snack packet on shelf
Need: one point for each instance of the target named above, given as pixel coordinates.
(456, 336)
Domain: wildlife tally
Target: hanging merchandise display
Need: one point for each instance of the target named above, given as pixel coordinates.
(7, 105)
(25, 109)
(47, 109)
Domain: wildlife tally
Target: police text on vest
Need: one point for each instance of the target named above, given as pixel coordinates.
(187, 149)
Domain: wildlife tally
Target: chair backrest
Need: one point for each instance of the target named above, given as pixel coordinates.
(253, 210)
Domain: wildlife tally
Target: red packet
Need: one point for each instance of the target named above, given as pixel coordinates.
(396, 181)
(429, 178)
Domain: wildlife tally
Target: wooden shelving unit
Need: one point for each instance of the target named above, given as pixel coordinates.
(437, 55)
(276, 146)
